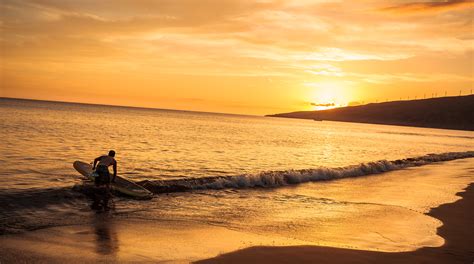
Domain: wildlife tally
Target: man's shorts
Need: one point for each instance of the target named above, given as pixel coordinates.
(104, 175)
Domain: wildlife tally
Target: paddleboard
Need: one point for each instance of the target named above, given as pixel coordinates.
(121, 184)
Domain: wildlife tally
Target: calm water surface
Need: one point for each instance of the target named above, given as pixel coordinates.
(41, 140)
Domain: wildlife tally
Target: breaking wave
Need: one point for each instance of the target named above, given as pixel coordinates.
(271, 179)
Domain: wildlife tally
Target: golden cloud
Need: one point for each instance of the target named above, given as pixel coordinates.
(429, 7)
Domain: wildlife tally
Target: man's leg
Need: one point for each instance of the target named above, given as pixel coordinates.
(96, 198)
(106, 197)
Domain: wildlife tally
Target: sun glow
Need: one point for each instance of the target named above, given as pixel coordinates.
(328, 95)
(244, 57)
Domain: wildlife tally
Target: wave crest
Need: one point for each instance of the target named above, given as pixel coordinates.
(270, 179)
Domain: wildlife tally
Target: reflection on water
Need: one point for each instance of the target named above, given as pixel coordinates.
(106, 239)
(157, 144)
(36, 176)
(382, 213)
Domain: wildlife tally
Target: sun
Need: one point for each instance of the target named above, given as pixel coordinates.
(328, 95)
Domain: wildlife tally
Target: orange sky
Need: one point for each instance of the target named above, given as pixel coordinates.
(235, 56)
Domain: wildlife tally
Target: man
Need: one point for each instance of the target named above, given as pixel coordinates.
(102, 181)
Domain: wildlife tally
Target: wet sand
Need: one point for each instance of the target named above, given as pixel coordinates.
(112, 239)
(457, 230)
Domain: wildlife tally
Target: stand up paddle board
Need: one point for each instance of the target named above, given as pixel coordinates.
(121, 184)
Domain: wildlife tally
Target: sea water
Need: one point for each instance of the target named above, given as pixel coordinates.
(234, 169)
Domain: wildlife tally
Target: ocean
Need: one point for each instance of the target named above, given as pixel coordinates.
(258, 174)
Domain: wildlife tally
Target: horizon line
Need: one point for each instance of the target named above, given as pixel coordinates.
(128, 106)
(207, 112)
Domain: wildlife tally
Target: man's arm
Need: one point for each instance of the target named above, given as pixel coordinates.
(95, 162)
(115, 171)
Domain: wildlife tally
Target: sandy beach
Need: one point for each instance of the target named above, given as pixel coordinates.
(110, 238)
(457, 231)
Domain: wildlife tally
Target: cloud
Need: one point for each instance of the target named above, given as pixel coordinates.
(323, 105)
(293, 41)
(429, 7)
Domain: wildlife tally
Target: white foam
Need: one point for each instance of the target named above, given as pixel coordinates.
(283, 178)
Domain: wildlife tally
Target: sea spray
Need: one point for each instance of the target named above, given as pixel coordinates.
(271, 179)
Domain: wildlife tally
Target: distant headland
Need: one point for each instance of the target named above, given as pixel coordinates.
(456, 112)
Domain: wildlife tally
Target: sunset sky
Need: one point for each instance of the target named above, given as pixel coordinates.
(235, 56)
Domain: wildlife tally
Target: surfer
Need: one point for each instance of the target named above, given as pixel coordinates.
(102, 181)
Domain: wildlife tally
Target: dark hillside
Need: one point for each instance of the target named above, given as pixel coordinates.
(445, 112)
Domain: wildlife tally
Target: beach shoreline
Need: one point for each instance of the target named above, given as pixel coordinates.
(457, 231)
(120, 240)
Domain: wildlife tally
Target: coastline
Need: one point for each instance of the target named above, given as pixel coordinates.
(109, 238)
(449, 112)
(457, 231)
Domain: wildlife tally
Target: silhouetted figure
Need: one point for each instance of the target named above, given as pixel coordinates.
(102, 181)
